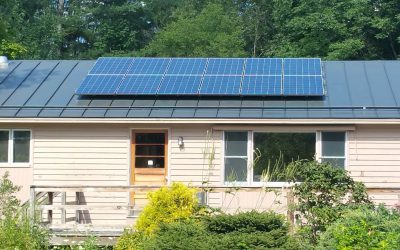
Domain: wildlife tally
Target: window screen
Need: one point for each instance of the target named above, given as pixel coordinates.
(4, 137)
(333, 148)
(236, 156)
(21, 145)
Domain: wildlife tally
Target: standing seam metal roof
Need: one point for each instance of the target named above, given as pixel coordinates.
(46, 89)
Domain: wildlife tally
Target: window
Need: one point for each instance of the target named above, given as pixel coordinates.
(333, 148)
(150, 150)
(255, 157)
(274, 151)
(236, 156)
(15, 146)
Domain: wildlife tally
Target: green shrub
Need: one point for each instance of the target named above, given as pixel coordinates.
(245, 222)
(251, 230)
(166, 205)
(363, 228)
(323, 194)
(181, 235)
(16, 230)
(130, 240)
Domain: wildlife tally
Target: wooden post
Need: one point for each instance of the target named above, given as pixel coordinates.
(50, 212)
(32, 204)
(77, 202)
(63, 202)
(290, 213)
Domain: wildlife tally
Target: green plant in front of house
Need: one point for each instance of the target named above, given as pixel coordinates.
(167, 204)
(249, 230)
(323, 193)
(16, 230)
(363, 228)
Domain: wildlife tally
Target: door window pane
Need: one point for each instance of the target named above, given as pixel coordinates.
(150, 150)
(274, 151)
(150, 138)
(236, 143)
(21, 140)
(149, 162)
(235, 169)
(333, 143)
(4, 136)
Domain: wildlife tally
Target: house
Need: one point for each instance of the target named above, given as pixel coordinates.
(88, 148)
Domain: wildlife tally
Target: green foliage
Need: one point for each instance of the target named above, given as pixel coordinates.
(19, 233)
(213, 32)
(166, 205)
(130, 240)
(8, 201)
(364, 228)
(245, 222)
(16, 231)
(12, 50)
(250, 230)
(323, 194)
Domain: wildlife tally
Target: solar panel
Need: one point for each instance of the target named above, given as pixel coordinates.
(180, 84)
(264, 66)
(203, 76)
(139, 85)
(221, 85)
(99, 85)
(302, 66)
(225, 66)
(111, 65)
(302, 85)
(262, 85)
(149, 66)
(187, 66)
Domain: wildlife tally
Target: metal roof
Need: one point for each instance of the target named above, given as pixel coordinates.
(46, 89)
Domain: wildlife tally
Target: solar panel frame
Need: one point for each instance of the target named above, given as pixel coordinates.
(220, 66)
(262, 85)
(181, 85)
(99, 85)
(149, 66)
(139, 85)
(111, 66)
(204, 76)
(221, 85)
(187, 66)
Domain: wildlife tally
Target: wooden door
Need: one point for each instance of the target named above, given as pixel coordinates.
(149, 162)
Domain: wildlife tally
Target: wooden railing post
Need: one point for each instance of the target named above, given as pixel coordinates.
(290, 213)
(63, 211)
(50, 212)
(32, 204)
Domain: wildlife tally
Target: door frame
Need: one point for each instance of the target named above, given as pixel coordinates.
(167, 152)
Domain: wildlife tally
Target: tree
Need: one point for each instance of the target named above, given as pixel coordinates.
(212, 33)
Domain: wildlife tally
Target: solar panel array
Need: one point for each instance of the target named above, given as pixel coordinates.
(205, 76)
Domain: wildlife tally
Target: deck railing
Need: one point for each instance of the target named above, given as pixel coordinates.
(204, 192)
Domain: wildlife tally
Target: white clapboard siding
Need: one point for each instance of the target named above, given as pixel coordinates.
(374, 158)
(84, 155)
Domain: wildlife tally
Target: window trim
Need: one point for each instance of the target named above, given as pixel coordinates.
(250, 157)
(11, 163)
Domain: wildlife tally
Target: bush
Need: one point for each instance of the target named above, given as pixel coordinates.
(166, 205)
(251, 230)
(16, 231)
(364, 228)
(323, 194)
(245, 222)
(129, 240)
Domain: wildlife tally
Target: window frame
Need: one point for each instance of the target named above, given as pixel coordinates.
(10, 162)
(250, 155)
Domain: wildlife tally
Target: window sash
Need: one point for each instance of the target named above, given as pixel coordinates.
(11, 159)
(250, 156)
